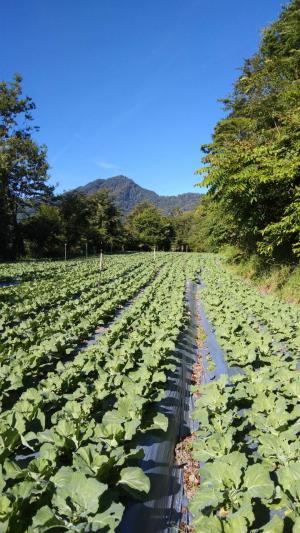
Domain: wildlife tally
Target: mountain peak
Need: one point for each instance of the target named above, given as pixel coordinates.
(127, 194)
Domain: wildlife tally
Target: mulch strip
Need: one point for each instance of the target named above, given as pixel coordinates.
(183, 450)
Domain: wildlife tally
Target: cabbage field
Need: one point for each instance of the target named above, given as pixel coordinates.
(88, 357)
(247, 442)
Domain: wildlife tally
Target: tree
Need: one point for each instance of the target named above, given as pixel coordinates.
(43, 232)
(23, 165)
(181, 224)
(205, 229)
(77, 220)
(210, 228)
(75, 213)
(252, 165)
(149, 227)
(105, 229)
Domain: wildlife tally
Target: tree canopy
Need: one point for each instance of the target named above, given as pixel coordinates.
(23, 164)
(252, 166)
(149, 227)
(74, 219)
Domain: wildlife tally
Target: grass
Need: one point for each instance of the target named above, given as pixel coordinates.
(283, 280)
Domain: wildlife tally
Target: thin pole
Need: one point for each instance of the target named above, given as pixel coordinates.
(154, 253)
(86, 250)
(100, 267)
(65, 251)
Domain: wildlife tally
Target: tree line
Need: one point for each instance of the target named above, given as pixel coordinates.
(87, 224)
(34, 222)
(37, 223)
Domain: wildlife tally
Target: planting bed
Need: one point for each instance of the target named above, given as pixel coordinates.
(247, 407)
(158, 395)
(73, 419)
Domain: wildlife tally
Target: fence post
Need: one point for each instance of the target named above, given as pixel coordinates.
(100, 266)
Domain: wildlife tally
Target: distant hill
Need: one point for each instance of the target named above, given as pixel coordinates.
(128, 194)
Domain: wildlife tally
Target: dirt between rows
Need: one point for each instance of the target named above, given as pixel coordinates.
(183, 450)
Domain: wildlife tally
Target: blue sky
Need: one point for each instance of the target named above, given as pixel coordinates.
(129, 86)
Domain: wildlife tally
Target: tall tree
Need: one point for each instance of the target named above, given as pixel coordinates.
(181, 223)
(105, 229)
(74, 212)
(74, 219)
(210, 227)
(43, 232)
(252, 166)
(149, 226)
(23, 165)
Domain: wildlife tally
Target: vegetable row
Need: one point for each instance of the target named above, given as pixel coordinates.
(69, 445)
(248, 443)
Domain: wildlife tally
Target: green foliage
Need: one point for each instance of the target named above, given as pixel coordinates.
(181, 223)
(74, 213)
(42, 232)
(282, 279)
(77, 220)
(205, 229)
(149, 227)
(23, 166)
(79, 414)
(290, 290)
(132, 477)
(287, 230)
(252, 165)
(249, 426)
(104, 221)
(211, 227)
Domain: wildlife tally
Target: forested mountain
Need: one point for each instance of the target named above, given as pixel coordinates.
(127, 194)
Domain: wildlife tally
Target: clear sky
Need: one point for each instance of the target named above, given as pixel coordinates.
(129, 86)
